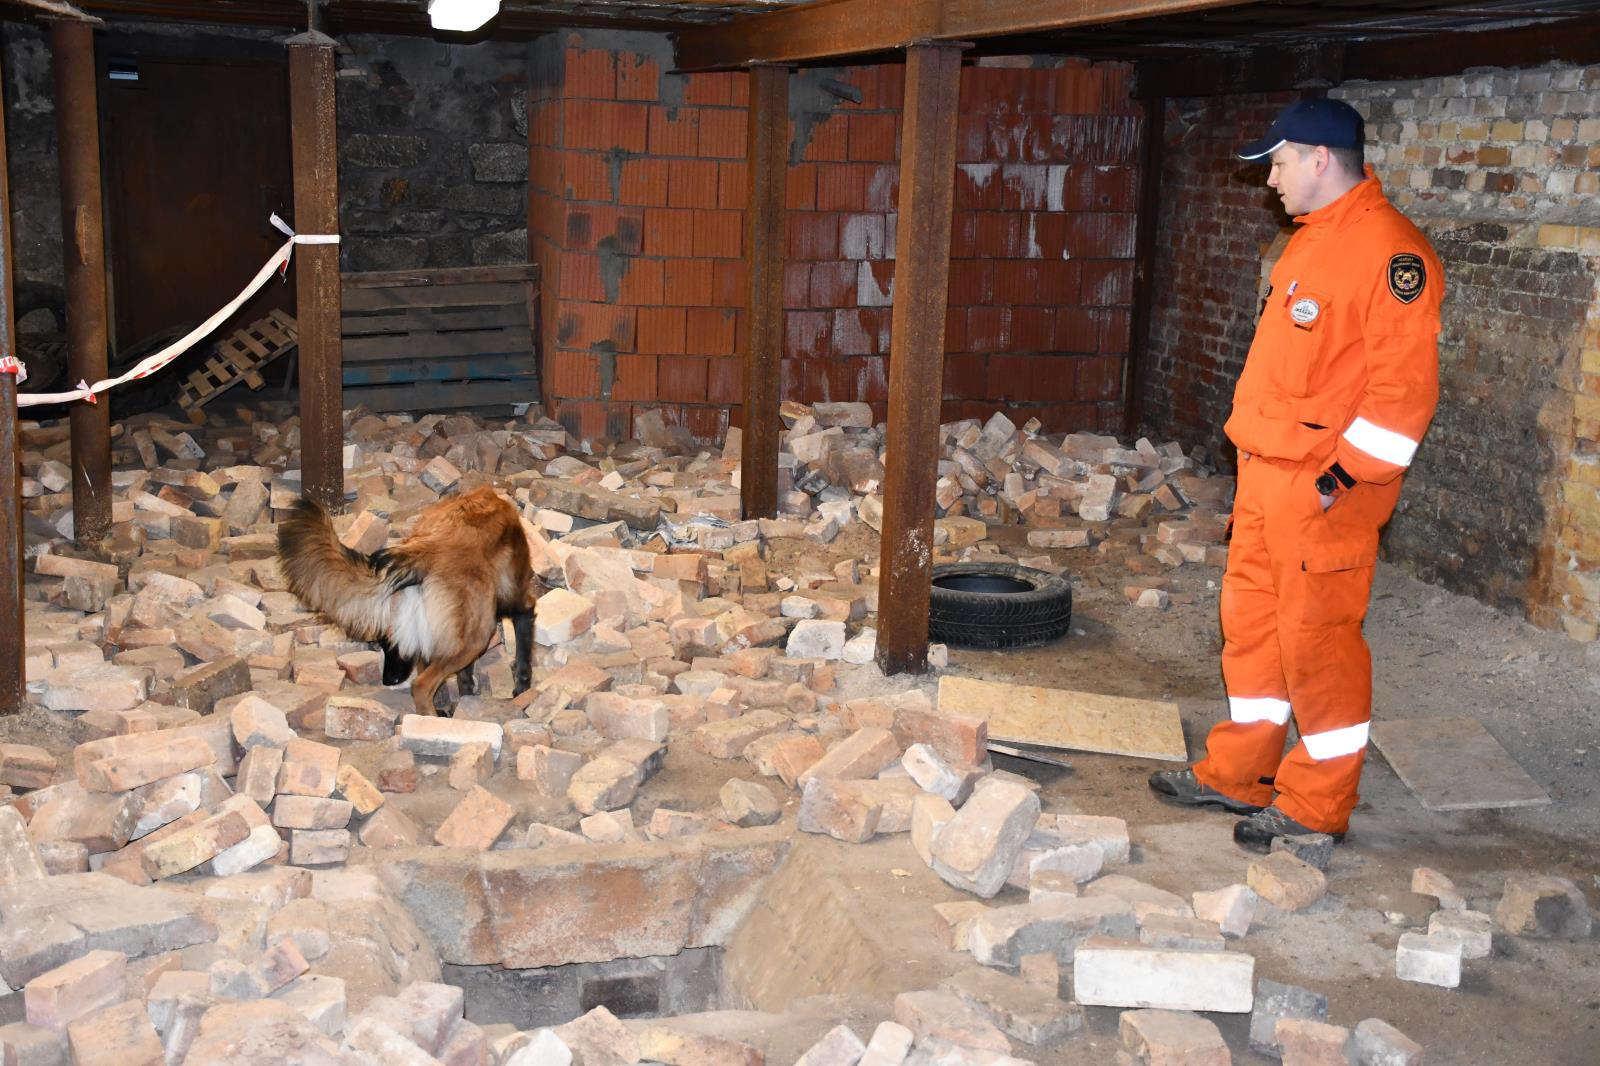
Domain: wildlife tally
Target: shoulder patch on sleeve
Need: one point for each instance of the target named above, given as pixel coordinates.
(1407, 276)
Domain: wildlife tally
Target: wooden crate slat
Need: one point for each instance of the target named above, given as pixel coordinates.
(435, 345)
(440, 321)
(429, 296)
(445, 395)
(460, 368)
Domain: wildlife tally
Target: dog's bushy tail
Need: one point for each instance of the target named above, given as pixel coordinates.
(343, 584)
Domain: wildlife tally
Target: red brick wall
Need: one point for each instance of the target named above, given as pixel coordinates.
(637, 192)
(1216, 216)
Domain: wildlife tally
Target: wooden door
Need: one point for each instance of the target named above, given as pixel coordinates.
(196, 158)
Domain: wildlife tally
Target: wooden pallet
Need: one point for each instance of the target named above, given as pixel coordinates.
(239, 357)
(421, 340)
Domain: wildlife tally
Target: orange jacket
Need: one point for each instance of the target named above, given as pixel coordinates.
(1345, 363)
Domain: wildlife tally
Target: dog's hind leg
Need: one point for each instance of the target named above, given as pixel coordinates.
(522, 666)
(467, 681)
(428, 694)
(396, 667)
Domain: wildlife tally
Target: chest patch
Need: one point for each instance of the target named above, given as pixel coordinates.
(1305, 311)
(1407, 276)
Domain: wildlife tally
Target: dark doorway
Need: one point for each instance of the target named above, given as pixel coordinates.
(196, 154)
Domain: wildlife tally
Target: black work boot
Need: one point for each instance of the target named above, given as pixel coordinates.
(1181, 786)
(1257, 832)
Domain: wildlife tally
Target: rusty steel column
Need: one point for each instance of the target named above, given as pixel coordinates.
(916, 353)
(768, 154)
(13, 651)
(316, 210)
(83, 233)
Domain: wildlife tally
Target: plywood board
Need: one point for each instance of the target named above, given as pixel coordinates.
(1056, 718)
(1454, 764)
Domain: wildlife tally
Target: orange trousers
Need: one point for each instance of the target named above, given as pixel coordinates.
(1293, 599)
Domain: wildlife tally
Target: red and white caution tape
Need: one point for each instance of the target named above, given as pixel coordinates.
(150, 364)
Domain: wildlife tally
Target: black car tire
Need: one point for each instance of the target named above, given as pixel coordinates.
(997, 605)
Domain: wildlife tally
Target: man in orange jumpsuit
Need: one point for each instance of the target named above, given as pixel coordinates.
(1337, 390)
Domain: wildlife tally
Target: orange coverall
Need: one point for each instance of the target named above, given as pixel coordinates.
(1343, 375)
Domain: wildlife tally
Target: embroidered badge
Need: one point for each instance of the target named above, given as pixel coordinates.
(1407, 277)
(1305, 311)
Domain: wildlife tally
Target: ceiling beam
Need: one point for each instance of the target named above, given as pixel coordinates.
(1422, 55)
(826, 29)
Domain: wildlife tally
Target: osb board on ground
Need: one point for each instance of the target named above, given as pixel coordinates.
(1056, 718)
(1454, 764)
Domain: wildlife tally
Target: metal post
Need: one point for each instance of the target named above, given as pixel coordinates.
(768, 154)
(83, 230)
(916, 354)
(12, 646)
(316, 210)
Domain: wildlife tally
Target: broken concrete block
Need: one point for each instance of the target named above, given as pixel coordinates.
(604, 783)
(1000, 936)
(839, 809)
(929, 815)
(258, 774)
(309, 768)
(561, 616)
(1313, 849)
(87, 984)
(311, 812)
(1543, 907)
(26, 766)
(1107, 973)
(443, 737)
(117, 764)
(620, 717)
(1108, 833)
(745, 803)
(477, 821)
(361, 794)
(936, 1015)
(119, 1035)
(1474, 929)
(890, 1044)
(599, 1037)
(20, 859)
(953, 922)
(257, 723)
(933, 774)
(398, 772)
(1315, 1043)
(674, 1048)
(728, 739)
(840, 1047)
(1429, 882)
(200, 688)
(1428, 960)
(1145, 899)
(184, 850)
(815, 639)
(1183, 934)
(1232, 908)
(318, 847)
(549, 769)
(31, 1045)
(1380, 1044)
(471, 766)
(1021, 1010)
(978, 847)
(1275, 1002)
(390, 828)
(100, 821)
(1172, 1038)
(106, 687)
(357, 718)
(1286, 882)
(861, 755)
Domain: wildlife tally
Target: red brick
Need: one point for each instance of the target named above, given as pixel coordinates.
(872, 377)
(1049, 233)
(710, 330)
(642, 282)
(1108, 282)
(592, 418)
(989, 329)
(587, 225)
(1118, 95)
(1115, 326)
(638, 78)
(739, 88)
(964, 376)
(978, 186)
(713, 89)
(971, 282)
(604, 125)
(1016, 281)
(688, 282)
(813, 235)
(729, 281)
(719, 233)
(1076, 330)
(955, 329)
(833, 285)
(668, 232)
(1059, 282)
(580, 278)
(723, 133)
(636, 378)
(796, 284)
(733, 185)
(725, 381)
(856, 331)
(590, 74)
(643, 182)
(661, 330)
(1099, 378)
(692, 183)
(574, 373)
(972, 139)
(807, 334)
(988, 91)
(1000, 234)
(829, 139)
(964, 235)
(681, 378)
(883, 188)
(841, 187)
(674, 131)
(1114, 188)
(705, 423)
(800, 190)
(584, 176)
(1032, 328)
(872, 138)
(1100, 236)
(1078, 90)
(582, 325)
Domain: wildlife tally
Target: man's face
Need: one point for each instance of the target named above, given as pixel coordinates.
(1297, 173)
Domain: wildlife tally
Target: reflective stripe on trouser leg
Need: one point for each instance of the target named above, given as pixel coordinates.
(1336, 742)
(1247, 747)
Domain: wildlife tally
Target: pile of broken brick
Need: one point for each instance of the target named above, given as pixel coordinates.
(199, 880)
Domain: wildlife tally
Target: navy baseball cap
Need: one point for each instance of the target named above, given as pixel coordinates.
(1331, 123)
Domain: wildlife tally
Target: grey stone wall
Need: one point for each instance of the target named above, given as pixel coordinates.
(29, 86)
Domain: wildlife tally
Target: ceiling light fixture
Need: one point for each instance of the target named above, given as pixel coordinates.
(461, 16)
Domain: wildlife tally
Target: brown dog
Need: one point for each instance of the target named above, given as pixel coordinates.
(432, 600)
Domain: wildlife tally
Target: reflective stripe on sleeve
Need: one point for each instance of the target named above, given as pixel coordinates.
(1246, 709)
(1336, 742)
(1381, 443)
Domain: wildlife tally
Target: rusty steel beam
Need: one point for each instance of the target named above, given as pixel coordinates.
(84, 245)
(916, 353)
(13, 651)
(1152, 153)
(829, 28)
(768, 156)
(314, 136)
